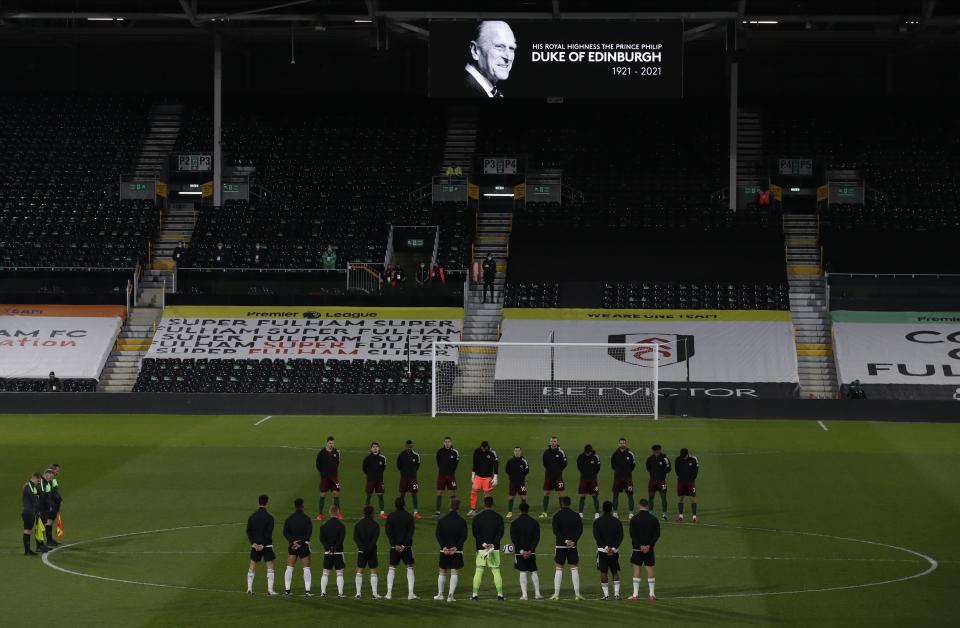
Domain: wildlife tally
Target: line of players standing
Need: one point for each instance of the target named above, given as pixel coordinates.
(452, 530)
(41, 503)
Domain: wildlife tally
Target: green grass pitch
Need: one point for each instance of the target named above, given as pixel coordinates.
(799, 525)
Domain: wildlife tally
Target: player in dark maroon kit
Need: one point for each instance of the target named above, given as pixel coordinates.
(554, 462)
(447, 460)
(687, 467)
(588, 463)
(328, 464)
(517, 470)
(408, 463)
(658, 466)
(373, 467)
(623, 462)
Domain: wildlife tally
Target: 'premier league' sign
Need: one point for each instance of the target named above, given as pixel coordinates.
(545, 59)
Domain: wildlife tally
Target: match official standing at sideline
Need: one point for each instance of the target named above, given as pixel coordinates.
(31, 510)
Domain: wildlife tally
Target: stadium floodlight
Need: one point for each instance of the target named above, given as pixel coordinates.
(603, 379)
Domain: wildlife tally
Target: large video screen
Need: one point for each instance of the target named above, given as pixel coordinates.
(543, 59)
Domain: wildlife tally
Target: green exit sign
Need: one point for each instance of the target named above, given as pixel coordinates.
(542, 189)
(846, 191)
(415, 243)
(231, 187)
(449, 189)
(137, 187)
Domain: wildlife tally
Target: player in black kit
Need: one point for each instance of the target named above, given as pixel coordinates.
(567, 527)
(400, 528)
(365, 535)
(644, 533)
(260, 535)
(298, 529)
(451, 536)
(447, 460)
(332, 535)
(525, 536)
(608, 533)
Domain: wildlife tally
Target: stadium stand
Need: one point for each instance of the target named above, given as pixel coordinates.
(40, 385)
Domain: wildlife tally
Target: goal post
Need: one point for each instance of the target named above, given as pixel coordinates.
(599, 379)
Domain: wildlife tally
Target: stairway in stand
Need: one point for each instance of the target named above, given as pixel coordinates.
(809, 307)
(749, 148)
(481, 321)
(123, 364)
(164, 126)
(461, 139)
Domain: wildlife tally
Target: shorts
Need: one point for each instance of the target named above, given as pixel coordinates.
(553, 483)
(525, 564)
(446, 482)
(409, 485)
(687, 489)
(567, 555)
(589, 487)
(367, 559)
(483, 484)
(374, 487)
(329, 484)
(517, 489)
(29, 520)
(451, 562)
(406, 556)
(647, 559)
(490, 560)
(266, 555)
(657, 486)
(607, 563)
(333, 561)
(623, 486)
(301, 552)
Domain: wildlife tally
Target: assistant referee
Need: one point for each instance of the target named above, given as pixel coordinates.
(31, 509)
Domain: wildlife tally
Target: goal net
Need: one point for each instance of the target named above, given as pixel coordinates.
(612, 379)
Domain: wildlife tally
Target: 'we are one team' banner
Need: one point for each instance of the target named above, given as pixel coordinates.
(338, 333)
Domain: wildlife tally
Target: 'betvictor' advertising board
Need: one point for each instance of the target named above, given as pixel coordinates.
(702, 353)
(329, 333)
(899, 355)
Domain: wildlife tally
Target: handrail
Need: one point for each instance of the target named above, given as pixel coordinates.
(436, 248)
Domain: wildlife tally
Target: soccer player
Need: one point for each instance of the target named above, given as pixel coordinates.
(567, 527)
(408, 463)
(298, 530)
(688, 467)
(644, 533)
(31, 510)
(486, 465)
(365, 535)
(451, 536)
(588, 464)
(260, 535)
(332, 535)
(525, 536)
(47, 505)
(517, 470)
(608, 533)
(623, 462)
(373, 467)
(488, 532)
(554, 462)
(328, 464)
(400, 528)
(447, 460)
(658, 466)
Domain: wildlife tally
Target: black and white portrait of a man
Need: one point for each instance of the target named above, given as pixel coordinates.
(492, 51)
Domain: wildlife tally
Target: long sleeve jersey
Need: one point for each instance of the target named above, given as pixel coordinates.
(488, 528)
(452, 531)
(623, 463)
(554, 461)
(332, 535)
(447, 460)
(408, 463)
(373, 467)
(589, 466)
(567, 525)
(260, 527)
(328, 463)
(485, 463)
(298, 527)
(400, 525)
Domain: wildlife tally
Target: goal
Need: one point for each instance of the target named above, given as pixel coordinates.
(608, 379)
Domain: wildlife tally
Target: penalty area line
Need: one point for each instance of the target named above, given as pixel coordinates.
(822, 426)
(263, 420)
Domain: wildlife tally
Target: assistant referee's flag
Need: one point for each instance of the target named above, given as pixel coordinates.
(59, 532)
(39, 532)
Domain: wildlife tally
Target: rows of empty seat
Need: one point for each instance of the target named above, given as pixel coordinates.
(653, 295)
(40, 385)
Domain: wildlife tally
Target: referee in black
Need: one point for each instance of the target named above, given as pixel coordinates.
(260, 535)
(525, 536)
(451, 536)
(298, 530)
(31, 510)
(608, 533)
(644, 533)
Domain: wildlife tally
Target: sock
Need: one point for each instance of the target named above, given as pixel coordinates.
(477, 577)
(630, 501)
(510, 505)
(336, 501)
(49, 530)
(380, 500)
(323, 500)
(439, 501)
(416, 502)
(575, 576)
(523, 584)
(250, 580)
(679, 508)
(454, 578)
(536, 583)
(358, 580)
(616, 588)
(26, 542)
(652, 585)
(441, 583)
(324, 580)
(616, 503)
(373, 583)
(636, 587)
(307, 579)
(367, 502)
(497, 580)
(473, 500)
(410, 580)
(557, 579)
(270, 577)
(340, 582)
(391, 576)
(596, 503)
(583, 500)
(288, 578)
(546, 502)
(693, 508)
(663, 502)
(605, 588)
